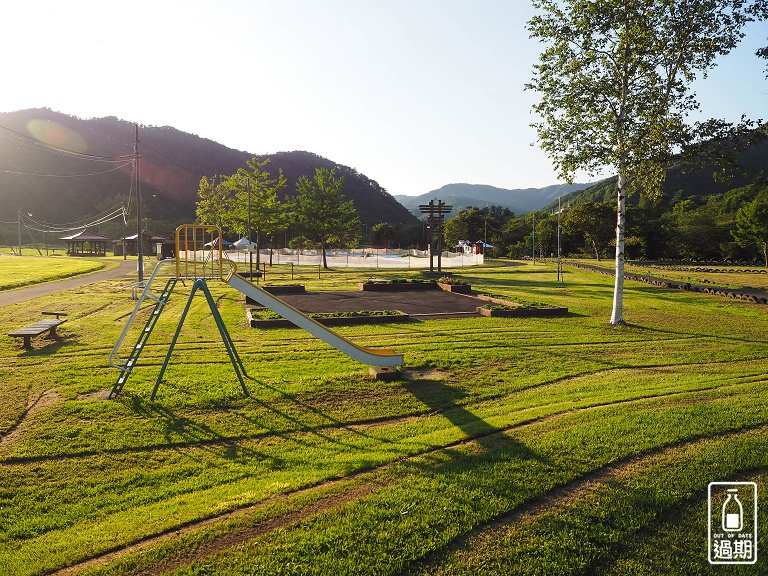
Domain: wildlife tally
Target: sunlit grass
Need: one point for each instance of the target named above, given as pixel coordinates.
(18, 271)
(495, 414)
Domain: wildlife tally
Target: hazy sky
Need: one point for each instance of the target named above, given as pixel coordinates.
(415, 94)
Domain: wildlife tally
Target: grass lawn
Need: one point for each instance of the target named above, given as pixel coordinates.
(19, 271)
(513, 446)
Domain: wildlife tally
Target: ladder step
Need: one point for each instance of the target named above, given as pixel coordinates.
(160, 303)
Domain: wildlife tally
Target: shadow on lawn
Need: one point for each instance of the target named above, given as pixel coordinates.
(443, 399)
(182, 432)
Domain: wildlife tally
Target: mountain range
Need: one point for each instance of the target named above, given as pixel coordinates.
(519, 201)
(57, 186)
(63, 170)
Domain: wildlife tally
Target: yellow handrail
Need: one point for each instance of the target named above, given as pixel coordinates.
(206, 239)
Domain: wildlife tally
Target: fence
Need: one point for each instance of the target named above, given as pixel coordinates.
(359, 258)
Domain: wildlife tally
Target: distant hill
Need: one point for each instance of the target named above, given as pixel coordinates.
(683, 184)
(56, 188)
(519, 201)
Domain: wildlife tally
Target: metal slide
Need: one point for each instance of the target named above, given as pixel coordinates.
(370, 356)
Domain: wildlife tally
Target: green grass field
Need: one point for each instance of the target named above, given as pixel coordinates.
(17, 272)
(512, 445)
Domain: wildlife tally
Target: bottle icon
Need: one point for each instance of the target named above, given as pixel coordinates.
(733, 512)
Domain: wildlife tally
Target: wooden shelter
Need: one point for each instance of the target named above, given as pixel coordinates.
(86, 243)
(149, 246)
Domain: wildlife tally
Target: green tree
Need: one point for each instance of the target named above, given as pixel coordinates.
(214, 204)
(696, 231)
(256, 200)
(513, 236)
(752, 226)
(593, 221)
(321, 210)
(468, 224)
(615, 79)
(384, 233)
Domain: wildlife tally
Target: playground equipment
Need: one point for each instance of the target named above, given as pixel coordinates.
(199, 256)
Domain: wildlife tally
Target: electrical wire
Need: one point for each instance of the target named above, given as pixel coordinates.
(196, 172)
(35, 143)
(68, 175)
(58, 229)
(76, 224)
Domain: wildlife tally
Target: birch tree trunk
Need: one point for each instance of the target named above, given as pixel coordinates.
(618, 286)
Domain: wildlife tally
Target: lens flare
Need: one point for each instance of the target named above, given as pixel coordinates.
(56, 135)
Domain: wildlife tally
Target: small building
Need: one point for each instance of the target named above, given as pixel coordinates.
(86, 243)
(149, 246)
(480, 247)
(469, 248)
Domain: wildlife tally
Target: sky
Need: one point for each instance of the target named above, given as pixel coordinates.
(415, 94)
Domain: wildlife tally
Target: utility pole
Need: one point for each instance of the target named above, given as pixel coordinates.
(250, 246)
(140, 235)
(18, 217)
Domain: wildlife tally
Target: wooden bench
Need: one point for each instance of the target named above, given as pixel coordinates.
(45, 325)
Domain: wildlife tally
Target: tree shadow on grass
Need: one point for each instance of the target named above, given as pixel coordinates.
(444, 399)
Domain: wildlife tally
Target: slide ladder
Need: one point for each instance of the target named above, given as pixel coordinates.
(126, 366)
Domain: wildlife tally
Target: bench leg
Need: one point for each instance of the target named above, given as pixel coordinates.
(27, 342)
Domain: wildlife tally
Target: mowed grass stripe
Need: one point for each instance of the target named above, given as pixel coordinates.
(615, 521)
(447, 495)
(592, 394)
(570, 440)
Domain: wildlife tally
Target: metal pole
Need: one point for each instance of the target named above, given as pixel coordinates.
(18, 219)
(250, 247)
(140, 236)
(534, 238)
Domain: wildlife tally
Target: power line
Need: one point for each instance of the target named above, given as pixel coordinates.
(196, 172)
(76, 224)
(68, 175)
(117, 213)
(39, 144)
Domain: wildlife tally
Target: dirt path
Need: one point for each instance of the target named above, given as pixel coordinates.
(30, 292)
(34, 405)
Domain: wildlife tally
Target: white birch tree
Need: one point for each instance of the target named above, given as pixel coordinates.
(615, 82)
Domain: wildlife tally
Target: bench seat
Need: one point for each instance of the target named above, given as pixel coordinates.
(29, 332)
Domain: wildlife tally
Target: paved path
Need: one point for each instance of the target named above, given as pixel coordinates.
(125, 268)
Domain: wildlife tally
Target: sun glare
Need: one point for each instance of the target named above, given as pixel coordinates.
(56, 135)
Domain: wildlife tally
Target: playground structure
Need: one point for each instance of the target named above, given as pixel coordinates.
(199, 257)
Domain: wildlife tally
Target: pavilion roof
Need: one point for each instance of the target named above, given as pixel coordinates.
(86, 236)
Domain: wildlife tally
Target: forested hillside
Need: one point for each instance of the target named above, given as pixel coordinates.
(731, 226)
(56, 186)
(683, 182)
(518, 200)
